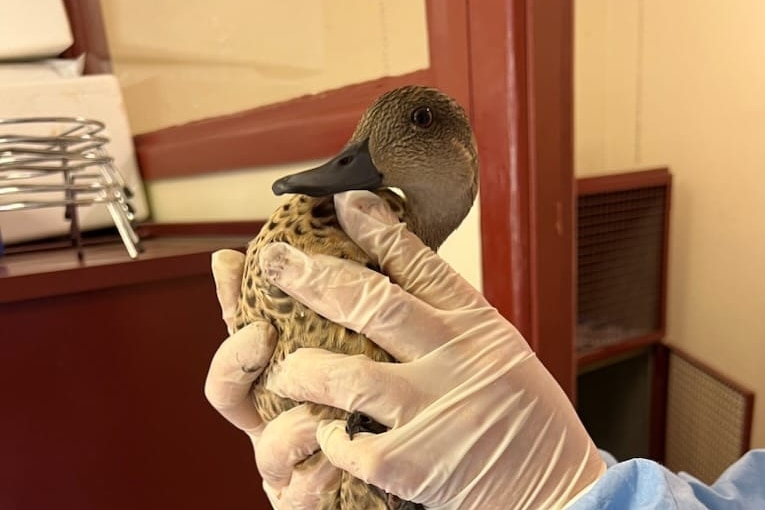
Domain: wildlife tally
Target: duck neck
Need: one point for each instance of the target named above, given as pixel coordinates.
(434, 214)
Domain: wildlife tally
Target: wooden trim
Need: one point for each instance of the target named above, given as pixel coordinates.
(623, 181)
(616, 349)
(500, 122)
(521, 73)
(658, 417)
(52, 273)
(746, 440)
(665, 253)
(86, 22)
(552, 220)
(449, 48)
(90, 238)
(213, 228)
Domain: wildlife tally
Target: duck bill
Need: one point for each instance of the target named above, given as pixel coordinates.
(351, 169)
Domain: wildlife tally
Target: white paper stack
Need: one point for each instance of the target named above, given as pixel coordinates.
(33, 29)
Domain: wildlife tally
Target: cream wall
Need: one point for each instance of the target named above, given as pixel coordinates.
(177, 65)
(183, 61)
(682, 83)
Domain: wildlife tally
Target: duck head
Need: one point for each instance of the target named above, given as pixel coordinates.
(413, 138)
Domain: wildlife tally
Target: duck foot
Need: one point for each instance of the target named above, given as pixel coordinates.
(396, 503)
(360, 422)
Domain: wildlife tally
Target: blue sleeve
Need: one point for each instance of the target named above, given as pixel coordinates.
(645, 485)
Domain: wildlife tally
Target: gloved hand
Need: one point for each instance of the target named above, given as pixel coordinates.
(476, 422)
(288, 439)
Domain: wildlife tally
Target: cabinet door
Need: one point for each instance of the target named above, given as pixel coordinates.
(103, 370)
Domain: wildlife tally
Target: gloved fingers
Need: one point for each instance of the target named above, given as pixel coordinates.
(366, 219)
(358, 298)
(274, 497)
(372, 458)
(287, 440)
(227, 269)
(313, 484)
(295, 473)
(351, 383)
(308, 489)
(237, 363)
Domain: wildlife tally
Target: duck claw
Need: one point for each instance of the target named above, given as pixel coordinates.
(360, 422)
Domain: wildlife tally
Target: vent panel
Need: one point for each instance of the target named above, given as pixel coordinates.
(620, 259)
(708, 420)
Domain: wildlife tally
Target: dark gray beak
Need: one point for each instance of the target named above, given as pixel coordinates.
(351, 169)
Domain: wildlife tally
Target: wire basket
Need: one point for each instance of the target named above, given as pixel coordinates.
(62, 162)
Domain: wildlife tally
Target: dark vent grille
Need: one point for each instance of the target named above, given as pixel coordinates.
(621, 237)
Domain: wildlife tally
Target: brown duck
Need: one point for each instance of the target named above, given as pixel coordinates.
(415, 139)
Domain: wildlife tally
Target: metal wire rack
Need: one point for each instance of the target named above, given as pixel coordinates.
(62, 162)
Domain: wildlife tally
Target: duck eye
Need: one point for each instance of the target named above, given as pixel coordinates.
(422, 117)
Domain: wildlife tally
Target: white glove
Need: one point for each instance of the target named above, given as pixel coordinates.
(288, 439)
(476, 421)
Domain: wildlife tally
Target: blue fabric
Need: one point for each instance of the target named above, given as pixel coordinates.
(644, 484)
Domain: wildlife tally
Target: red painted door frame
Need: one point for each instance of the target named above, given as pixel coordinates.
(521, 54)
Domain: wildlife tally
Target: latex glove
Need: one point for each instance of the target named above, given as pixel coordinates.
(288, 439)
(476, 421)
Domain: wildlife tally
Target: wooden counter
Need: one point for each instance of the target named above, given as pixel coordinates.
(103, 366)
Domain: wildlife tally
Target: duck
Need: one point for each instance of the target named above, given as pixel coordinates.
(415, 148)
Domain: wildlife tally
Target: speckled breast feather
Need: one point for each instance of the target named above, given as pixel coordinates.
(311, 225)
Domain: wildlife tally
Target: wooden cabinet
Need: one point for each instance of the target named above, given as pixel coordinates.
(103, 369)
